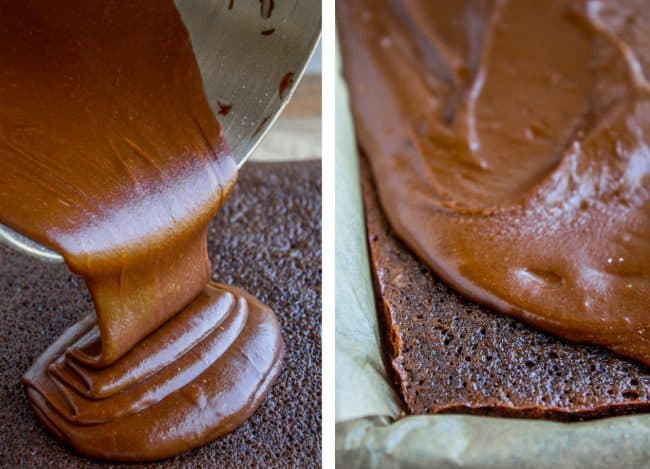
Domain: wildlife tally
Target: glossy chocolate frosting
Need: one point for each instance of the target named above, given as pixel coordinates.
(510, 144)
(110, 155)
(196, 378)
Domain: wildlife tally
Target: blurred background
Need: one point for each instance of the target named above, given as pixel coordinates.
(296, 135)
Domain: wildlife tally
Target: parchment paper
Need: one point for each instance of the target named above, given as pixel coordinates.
(368, 431)
(361, 385)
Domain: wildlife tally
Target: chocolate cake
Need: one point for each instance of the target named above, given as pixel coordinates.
(448, 354)
(509, 145)
(266, 239)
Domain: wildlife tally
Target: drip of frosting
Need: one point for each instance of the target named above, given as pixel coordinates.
(110, 155)
(510, 143)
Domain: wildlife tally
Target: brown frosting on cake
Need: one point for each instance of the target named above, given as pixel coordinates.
(509, 143)
(195, 378)
(266, 240)
(448, 354)
(111, 156)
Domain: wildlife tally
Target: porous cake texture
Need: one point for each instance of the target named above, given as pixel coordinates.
(448, 354)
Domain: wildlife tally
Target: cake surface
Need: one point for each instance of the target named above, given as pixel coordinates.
(447, 354)
(266, 240)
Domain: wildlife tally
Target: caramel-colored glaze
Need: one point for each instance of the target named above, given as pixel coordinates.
(110, 155)
(510, 142)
